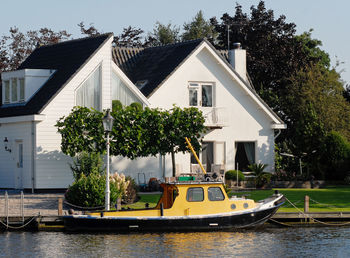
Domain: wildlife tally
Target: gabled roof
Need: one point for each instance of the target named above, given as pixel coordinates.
(67, 58)
(152, 64)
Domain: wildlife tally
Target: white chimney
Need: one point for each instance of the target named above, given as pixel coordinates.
(237, 57)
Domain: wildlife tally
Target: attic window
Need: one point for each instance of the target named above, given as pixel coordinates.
(14, 90)
(141, 84)
(7, 92)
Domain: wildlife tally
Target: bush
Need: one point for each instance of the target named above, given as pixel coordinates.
(89, 191)
(257, 169)
(263, 179)
(232, 175)
(131, 191)
(86, 164)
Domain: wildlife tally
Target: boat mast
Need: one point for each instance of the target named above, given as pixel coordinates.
(189, 145)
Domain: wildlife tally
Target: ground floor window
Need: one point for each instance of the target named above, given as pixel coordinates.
(245, 155)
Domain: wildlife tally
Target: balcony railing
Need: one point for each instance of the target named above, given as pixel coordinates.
(215, 117)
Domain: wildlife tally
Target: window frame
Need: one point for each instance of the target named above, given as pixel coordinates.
(7, 89)
(187, 194)
(215, 200)
(198, 87)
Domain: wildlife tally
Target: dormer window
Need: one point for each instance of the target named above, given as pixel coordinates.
(14, 90)
(7, 92)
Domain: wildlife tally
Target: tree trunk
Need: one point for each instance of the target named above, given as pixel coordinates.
(173, 162)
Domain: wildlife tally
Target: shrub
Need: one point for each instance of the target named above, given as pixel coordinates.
(232, 175)
(131, 191)
(263, 179)
(257, 169)
(89, 191)
(86, 164)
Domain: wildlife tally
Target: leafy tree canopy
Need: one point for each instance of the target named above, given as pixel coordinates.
(199, 28)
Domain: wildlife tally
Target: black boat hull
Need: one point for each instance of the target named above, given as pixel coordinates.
(164, 224)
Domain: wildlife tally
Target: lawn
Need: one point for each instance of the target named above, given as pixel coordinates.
(327, 200)
(152, 199)
(330, 199)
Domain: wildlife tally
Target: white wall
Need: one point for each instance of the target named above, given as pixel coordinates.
(246, 122)
(15, 132)
(52, 169)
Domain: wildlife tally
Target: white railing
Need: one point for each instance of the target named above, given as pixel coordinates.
(216, 116)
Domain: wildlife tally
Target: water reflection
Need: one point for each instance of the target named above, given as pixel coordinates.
(298, 242)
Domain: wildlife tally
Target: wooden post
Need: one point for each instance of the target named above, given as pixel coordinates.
(306, 203)
(60, 206)
(118, 205)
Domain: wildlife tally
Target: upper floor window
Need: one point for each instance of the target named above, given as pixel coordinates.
(14, 90)
(7, 91)
(89, 93)
(201, 94)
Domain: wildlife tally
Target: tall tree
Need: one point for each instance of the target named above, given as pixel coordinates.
(163, 34)
(273, 50)
(130, 37)
(199, 28)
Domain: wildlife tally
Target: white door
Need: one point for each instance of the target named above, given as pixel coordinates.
(19, 165)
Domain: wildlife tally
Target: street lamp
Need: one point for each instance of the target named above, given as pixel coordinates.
(107, 121)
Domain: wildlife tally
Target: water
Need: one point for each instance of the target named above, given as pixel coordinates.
(286, 242)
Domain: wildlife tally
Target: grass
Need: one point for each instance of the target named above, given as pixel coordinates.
(330, 199)
(152, 199)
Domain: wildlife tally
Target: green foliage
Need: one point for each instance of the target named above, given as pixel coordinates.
(136, 132)
(336, 156)
(89, 191)
(199, 28)
(163, 34)
(228, 190)
(116, 105)
(87, 163)
(262, 179)
(131, 191)
(257, 169)
(81, 130)
(232, 175)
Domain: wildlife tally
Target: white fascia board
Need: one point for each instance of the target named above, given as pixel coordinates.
(278, 126)
(129, 84)
(20, 119)
(248, 91)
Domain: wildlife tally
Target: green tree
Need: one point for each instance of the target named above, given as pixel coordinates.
(136, 132)
(177, 124)
(199, 28)
(163, 35)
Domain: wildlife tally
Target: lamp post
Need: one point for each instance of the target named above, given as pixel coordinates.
(107, 121)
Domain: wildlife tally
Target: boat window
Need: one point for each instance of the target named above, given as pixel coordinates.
(195, 194)
(215, 194)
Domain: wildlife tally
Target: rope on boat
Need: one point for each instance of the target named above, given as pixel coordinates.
(19, 227)
(83, 208)
(280, 223)
(316, 220)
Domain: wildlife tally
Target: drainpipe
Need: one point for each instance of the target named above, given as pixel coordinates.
(33, 156)
(278, 134)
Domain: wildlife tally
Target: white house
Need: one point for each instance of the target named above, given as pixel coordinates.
(91, 72)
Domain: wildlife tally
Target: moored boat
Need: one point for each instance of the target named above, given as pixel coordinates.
(183, 206)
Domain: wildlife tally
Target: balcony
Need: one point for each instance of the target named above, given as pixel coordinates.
(215, 117)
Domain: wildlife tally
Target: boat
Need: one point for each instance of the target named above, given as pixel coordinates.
(194, 205)
(183, 206)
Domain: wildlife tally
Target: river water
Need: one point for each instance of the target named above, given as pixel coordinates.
(269, 242)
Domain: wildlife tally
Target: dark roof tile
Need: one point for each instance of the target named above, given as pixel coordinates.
(66, 58)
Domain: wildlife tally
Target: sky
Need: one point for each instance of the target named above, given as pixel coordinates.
(328, 19)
